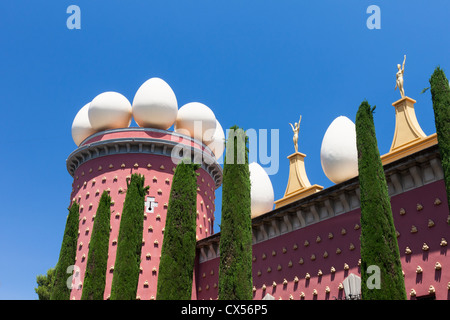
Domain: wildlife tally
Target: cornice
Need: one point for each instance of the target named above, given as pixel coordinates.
(127, 145)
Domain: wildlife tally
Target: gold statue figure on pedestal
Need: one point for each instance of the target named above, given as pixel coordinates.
(296, 128)
(408, 135)
(298, 185)
(399, 75)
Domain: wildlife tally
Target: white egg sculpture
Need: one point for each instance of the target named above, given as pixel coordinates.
(261, 190)
(338, 154)
(155, 105)
(196, 120)
(109, 110)
(81, 127)
(217, 144)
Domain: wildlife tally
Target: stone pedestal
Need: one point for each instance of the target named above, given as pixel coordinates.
(408, 137)
(298, 184)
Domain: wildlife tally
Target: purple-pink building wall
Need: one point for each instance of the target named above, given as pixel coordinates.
(281, 264)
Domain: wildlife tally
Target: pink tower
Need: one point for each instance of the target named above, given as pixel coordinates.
(106, 160)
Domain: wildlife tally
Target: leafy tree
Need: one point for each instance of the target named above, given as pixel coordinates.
(45, 283)
(67, 255)
(176, 266)
(235, 266)
(96, 267)
(128, 257)
(379, 245)
(440, 95)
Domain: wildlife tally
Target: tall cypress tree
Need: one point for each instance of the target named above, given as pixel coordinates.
(379, 245)
(440, 95)
(176, 266)
(96, 267)
(129, 242)
(235, 266)
(60, 290)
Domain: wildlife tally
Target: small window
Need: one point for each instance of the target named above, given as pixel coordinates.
(150, 204)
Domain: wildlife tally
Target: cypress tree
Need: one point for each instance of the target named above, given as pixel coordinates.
(235, 266)
(129, 242)
(379, 245)
(440, 95)
(60, 290)
(176, 266)
(96, 267)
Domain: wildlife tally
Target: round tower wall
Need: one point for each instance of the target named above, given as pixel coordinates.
(110, 173)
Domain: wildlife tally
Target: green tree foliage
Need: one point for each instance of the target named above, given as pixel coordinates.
(67, 255)
(440, 95)
(45, 283)
(128, 257)
(178, 250)
(96, 267)
(379, 245)
(235, 266)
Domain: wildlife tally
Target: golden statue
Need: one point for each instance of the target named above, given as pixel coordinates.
(399, 82)
(296, 128)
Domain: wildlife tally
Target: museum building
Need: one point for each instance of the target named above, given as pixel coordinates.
(307, 247)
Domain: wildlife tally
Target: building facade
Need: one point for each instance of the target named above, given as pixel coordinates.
(308, 247)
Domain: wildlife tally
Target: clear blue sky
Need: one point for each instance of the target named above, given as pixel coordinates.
(257, 64)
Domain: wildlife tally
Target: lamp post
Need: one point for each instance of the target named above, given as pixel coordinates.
(352, 287)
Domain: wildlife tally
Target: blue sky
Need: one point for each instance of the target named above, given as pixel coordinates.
(257, 64)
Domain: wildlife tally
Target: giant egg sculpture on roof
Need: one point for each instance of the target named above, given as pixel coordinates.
(155, 105)
(338, 154)
(109, 110)
(262, 195)
(81, 127)
(197, 121)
